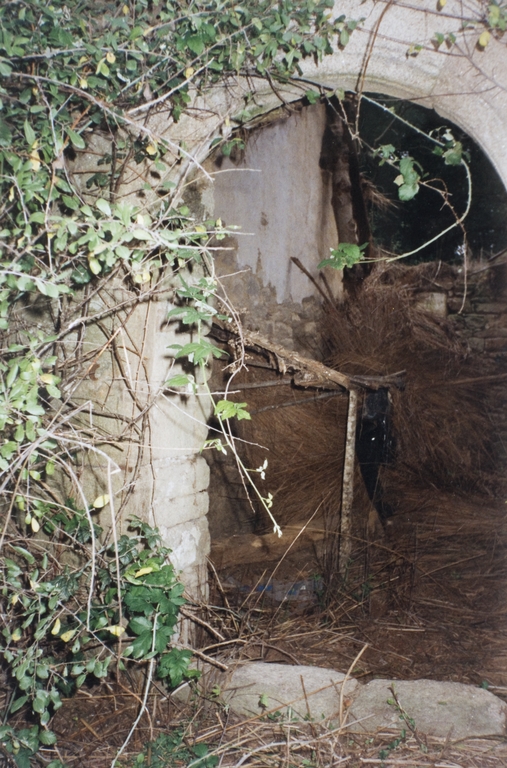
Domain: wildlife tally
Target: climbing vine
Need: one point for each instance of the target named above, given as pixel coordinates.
(79, 601)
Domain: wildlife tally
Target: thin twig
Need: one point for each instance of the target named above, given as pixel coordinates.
(345, 680)
(151, 667)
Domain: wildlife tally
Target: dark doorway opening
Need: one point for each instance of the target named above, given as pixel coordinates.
(426, 580)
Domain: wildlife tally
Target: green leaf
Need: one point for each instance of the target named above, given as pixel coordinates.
(264, 701)
(18, 703)
(174, 665)
(5, 69)
(122, 251)
(11, 376)
(407, 170)
(454, 155)
(40, 702)
(81, 275)
(103, 206)
(8, 449)
(51, 290)
(181, 380)
(140, 624)
(408, 191)
(24, 553)
(226, 409)
(34, 409)
(142, 645)
(103, 69)
(345, 255)
(75, 138)
(47, 738)
(94, 265)
(29, 133)
(5, 133)
(142, 234)
(71, 203)
(312, 96)
(196, 44)
(197, 351)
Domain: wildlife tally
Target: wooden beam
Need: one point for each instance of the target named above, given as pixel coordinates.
(310, 373)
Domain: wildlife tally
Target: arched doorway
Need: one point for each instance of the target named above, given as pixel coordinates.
(420, 318)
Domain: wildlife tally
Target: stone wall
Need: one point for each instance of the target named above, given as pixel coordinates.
(481, 321)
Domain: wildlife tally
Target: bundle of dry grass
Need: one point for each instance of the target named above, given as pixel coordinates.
(440, 424)
(440, 420)
(304, 446)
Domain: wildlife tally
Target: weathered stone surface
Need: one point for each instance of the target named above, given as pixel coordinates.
(434, 303)
(496, 344)
(308, 691)
(438, 708)
(190, 545)
(490, 307)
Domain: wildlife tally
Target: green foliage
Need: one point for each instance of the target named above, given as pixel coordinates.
(497, 16)
(225, 409)
(411, 174)
(24, 743)
(312, 96)
(196, 308)
(408, 178)
(344, 255)
(62, 627)
(394, 744)
(450, 150)
(171, 750)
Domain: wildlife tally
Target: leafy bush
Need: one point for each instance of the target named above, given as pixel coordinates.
(65, 623)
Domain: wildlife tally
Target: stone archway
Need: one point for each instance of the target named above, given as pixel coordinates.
(390, 51)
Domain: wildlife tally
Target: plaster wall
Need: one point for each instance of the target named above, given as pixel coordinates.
(281, 200)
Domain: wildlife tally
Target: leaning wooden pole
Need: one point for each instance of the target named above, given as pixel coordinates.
(348, 485)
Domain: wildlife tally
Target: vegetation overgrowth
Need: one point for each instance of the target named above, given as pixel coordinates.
(79, 601)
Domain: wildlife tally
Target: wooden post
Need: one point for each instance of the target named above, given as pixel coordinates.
(348, 485)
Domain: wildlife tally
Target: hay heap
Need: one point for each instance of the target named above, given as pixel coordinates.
(440, 422)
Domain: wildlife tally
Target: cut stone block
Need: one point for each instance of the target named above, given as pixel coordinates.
(437, 709)
(298, 692)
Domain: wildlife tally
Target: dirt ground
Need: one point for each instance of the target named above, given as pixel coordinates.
(428, 598)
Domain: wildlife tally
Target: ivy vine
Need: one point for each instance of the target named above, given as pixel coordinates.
(70, 70)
